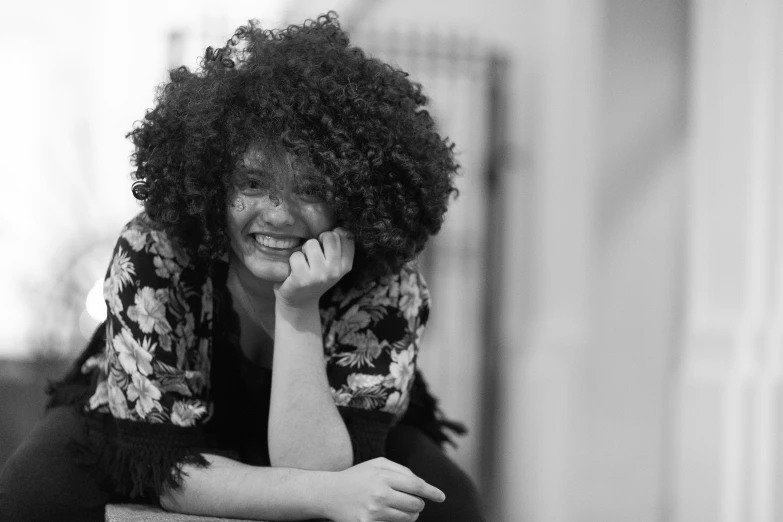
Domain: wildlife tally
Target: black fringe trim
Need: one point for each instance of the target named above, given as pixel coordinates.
(136, 459)
(367, 430)
(67, 394)
(424, 413)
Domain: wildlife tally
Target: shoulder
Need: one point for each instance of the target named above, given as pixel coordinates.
(143, 252)
(388, 310)
(158, 330)
(405, 290)
(141, 236)
(150, 277)
(371, 338)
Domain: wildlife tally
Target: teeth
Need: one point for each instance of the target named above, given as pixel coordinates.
(276, 243)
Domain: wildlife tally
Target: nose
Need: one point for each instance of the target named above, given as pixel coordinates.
(279, 210)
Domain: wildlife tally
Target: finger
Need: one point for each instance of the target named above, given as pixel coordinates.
(405, 502)
(387, 464)
(416, 486)
(298, 263)
(331, 244)
(342, 231)
(315, 256)
(348, 249)
(395, 515)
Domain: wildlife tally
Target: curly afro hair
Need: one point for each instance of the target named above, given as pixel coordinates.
(359, 123)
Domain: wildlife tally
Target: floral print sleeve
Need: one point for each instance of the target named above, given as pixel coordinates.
(372, 338)
(155, 367)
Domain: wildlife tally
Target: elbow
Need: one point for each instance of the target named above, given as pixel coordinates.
(330, 449)
(169, 501)
(339, 463)
(331, 465)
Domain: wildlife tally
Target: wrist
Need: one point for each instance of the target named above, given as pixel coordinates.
(298, 311)
(291, 322)
(319, 496)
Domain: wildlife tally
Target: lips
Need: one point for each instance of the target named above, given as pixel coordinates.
(278, 243)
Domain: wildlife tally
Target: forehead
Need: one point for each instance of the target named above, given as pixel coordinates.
(276, 164)
(264, 157)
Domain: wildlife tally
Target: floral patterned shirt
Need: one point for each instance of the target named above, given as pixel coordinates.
(156, 364)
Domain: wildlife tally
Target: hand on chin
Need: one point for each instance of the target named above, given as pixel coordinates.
(316, 268)
(270, 272)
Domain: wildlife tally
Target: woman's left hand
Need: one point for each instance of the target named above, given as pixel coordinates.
(314, 270)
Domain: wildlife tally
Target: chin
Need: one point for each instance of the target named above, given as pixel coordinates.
(272, 272)
(262, 267)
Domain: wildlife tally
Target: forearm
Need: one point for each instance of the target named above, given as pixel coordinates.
(228, 488)
(305, 429)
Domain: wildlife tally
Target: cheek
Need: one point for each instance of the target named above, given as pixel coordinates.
(238, 204)
(321, 218)
(237, 215)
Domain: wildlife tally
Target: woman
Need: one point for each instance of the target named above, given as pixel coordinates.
(264, 317)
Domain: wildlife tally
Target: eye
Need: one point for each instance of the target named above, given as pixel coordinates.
(251, 185)
(310, 198)
(311, 193)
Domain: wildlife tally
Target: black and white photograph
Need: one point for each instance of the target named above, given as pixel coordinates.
(388, 261)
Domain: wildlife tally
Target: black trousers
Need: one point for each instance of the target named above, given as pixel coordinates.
(40, 481)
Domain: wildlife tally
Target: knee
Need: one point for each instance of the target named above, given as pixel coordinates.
(40, 480)
(25, 489)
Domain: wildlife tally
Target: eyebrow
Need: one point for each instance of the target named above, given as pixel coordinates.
(258, 157)
(246, 170)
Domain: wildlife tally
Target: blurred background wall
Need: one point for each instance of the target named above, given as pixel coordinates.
(607, 288)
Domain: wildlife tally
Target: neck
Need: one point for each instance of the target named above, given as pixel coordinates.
(254, 294)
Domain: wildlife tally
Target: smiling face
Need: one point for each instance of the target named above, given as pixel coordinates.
(267, 220)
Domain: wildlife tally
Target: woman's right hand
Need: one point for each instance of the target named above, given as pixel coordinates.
(377, 490)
